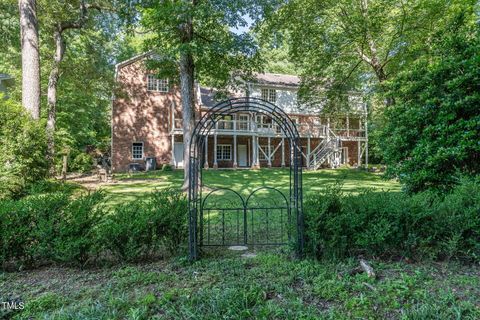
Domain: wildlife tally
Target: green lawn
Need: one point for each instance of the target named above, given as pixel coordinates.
(268, 286)
(130, 187)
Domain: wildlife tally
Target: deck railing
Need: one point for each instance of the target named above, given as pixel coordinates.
(249, 126)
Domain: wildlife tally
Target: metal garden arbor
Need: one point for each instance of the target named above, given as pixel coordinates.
(266, 216)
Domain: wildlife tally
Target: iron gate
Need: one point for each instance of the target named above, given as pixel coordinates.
(262, 218)
(220, 220)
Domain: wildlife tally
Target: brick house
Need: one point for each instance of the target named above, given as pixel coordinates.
(147, 122)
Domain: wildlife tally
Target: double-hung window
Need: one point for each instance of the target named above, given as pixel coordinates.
(224, 152)
(270, 95)
(155, 84)
(137, 150)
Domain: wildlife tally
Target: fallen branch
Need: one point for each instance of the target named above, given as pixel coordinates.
(367, 268)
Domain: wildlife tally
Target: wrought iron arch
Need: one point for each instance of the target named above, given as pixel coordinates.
(197, 158)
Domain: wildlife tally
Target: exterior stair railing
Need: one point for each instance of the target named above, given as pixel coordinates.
(327, 148)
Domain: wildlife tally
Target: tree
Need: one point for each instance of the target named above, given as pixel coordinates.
(432, 132)
(30, 57)
(343, 45)
(198, 37)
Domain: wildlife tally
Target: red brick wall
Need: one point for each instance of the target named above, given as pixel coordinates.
(139, 115)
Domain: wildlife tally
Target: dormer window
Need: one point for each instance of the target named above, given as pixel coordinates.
(157, 85)
(270, 95)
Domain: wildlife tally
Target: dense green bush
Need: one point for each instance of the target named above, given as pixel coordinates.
(51, 227)
(135, 230)
(82, 162)
(22, 150)
(432, 130)
(423, 225)
(48, 227)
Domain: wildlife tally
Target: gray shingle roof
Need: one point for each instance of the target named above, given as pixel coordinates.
(278, 79)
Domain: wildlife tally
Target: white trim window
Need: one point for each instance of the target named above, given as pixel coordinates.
(269, 94)
(157, 85)
(224, 152)
(137, 151)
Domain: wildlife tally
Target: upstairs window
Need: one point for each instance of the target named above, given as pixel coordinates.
(270, 95)
(137, 150)
(155, 84)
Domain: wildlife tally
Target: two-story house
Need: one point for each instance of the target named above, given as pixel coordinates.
(147, 122)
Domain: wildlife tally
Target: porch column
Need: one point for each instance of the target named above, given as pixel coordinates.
(215, 163)
(254, 152)
(172, 161)
(269, 153)
(359, 160)
(308, 152)
(235, 151)
(257, 155)
(283, 152)
(348, 126)
(206, 153)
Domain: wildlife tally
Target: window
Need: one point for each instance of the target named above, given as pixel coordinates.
(270, 95)
(155, 84)
(224, 152)
(242, 123)
(137, 150)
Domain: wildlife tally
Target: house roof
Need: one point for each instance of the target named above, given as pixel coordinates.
(277, 79)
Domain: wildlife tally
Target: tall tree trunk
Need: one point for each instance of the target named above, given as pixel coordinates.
(52, 98)
(30, 57)
(187, 74)
(187, 69)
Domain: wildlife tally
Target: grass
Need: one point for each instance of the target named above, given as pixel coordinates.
(130, 187)
(268, 286)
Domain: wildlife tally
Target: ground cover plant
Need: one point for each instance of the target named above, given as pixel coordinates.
(268, 286)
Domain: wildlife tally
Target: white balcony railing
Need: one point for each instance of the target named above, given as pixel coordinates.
(249, 126)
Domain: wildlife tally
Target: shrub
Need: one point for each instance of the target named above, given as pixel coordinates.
(424, 225)
(77, 238)
(135, 230)
(170, 209)
(82, 162)
(166, 167)
(128, 232)
(46, 228)
(22, 150)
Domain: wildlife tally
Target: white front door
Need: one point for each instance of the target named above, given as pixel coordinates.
(178, 151)
(242, 155)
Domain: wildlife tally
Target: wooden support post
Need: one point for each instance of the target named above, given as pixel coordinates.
(206, 153)
(269, 150)
(172, 162)
(359, 159)
(215, 163)
(348, 126)
(308, 152)
(235, 151)
(64, 168)
(283, 152)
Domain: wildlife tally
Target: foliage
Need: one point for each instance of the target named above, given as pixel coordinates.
(213, 38)
(52, 227)
(268, 286)
(82, 162)
(133, 231)
(48, 227)
(342, 45)
(424, 225)
(431, 133)
(22, 150)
